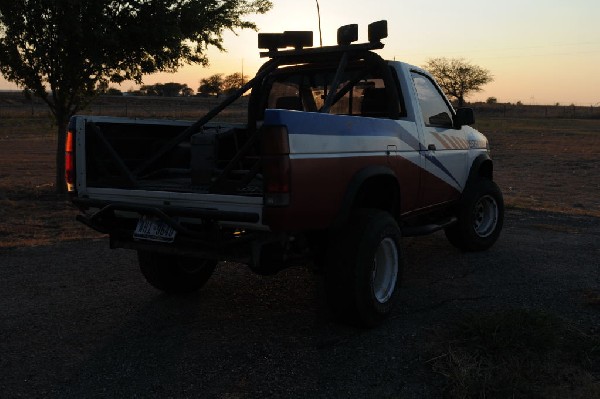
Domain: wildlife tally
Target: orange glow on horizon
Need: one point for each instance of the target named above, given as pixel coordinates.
(539, 52)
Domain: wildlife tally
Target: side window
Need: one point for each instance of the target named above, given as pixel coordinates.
(433, 107)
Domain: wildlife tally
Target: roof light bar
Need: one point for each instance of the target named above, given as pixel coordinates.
(299, 40)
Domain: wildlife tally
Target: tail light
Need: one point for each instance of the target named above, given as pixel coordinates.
(70, 161)
(275, 150)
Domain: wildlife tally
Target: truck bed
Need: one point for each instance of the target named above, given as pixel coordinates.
(117, 148)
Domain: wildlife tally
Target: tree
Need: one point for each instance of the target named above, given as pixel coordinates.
(187, 91)
(170, 89)
(491, 100)
(211, 86)
(102, 87)
(113, 91)
(233, 82)
(62, 50)
(458, 77)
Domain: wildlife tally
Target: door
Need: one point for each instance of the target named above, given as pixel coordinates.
(443, 147)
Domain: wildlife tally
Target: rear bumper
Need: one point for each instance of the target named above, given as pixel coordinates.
(199, 231)
(168, 211)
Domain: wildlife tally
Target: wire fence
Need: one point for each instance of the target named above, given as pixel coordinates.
(195, 107)
(536, 111)
(136, 107)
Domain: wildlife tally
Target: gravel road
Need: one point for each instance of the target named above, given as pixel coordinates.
(78, 320)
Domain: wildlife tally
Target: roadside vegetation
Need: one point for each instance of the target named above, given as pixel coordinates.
(517, 353)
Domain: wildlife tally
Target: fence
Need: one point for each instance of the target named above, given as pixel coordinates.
(536, 111)
(135, 107)
(14, 105)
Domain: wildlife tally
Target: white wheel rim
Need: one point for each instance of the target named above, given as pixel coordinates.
(385, 270)
(485, 216)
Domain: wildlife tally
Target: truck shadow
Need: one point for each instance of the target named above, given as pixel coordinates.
(234, 332)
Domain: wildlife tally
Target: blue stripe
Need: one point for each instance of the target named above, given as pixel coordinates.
(315, 123)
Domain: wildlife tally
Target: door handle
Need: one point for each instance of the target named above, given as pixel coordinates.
(431, 147)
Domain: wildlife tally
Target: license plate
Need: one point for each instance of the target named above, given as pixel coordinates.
(154, 230)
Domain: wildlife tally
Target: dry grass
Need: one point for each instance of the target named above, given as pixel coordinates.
(547, 164)
(517, 353)
(36, 216)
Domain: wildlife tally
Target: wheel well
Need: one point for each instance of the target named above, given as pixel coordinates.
(379, 192)
(486, 169)
(482, 167)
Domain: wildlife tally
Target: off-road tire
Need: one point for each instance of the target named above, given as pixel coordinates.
(175, 274)
(363, 270)
(480, 217)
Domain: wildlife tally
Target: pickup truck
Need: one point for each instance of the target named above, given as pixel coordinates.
(341, 155)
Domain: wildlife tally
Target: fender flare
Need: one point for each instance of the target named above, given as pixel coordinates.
(481, 161)
(354, 187)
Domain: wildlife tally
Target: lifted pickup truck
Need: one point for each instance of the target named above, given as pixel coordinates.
(342, 154)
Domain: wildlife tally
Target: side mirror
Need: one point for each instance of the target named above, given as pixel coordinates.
(464, 116)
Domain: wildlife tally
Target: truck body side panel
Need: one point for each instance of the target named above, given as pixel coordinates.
(327, 151)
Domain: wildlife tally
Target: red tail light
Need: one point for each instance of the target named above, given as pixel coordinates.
(276, 178)
(275, 151)
(70, 161)
(276, 172)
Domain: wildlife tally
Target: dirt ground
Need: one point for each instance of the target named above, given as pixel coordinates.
(550, 164)
(30, 213)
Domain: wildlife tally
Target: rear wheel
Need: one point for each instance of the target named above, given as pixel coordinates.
(480, 217)
(175, 274)
(364, 267)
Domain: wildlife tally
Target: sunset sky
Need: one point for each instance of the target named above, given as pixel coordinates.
(539, 52)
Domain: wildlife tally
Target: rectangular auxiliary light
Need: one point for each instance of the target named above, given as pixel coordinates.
(347, 34)
(295, 39)
(298, 38)
(377, 31)
(270, 41)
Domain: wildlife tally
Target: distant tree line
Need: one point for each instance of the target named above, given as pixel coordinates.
(212, 86)
(218, 84)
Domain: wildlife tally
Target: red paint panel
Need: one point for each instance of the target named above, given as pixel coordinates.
(436, 191)
(318, 187)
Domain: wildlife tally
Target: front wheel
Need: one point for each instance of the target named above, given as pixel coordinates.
(363, 268)
(175, 274)
(480, 217)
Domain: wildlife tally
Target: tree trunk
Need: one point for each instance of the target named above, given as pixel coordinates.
(61, 137)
